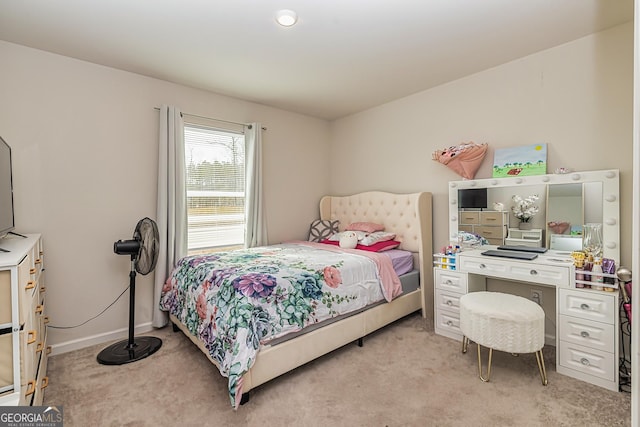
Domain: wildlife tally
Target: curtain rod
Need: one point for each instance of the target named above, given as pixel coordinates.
(217, 120)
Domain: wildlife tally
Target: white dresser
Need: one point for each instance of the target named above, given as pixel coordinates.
(23, 330)
(492, 225)
(587, 320)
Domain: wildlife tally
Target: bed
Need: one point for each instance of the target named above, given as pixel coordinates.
(408, 216)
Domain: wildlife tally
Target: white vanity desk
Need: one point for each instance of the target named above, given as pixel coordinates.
(586, 321)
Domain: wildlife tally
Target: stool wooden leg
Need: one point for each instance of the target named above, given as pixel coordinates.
(486, 380)
(465, 343)
(541, 368)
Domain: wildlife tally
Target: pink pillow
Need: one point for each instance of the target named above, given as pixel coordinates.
(368, 227)
(376, 247)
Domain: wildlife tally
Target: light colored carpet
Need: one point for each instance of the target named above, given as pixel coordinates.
(403, 376)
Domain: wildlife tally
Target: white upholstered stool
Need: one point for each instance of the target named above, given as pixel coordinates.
(502, 322)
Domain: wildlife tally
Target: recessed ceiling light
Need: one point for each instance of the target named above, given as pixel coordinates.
(286, 17)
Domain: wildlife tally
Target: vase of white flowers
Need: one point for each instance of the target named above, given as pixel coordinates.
(524, 210)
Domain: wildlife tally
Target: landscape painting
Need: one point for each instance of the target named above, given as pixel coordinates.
(520, 161)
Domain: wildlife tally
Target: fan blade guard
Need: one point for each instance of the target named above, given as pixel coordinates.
(147, 234)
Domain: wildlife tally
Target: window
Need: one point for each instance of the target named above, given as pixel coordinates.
(215, 165)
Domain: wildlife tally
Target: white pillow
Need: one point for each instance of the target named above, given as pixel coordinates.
(336, 237)
(378, 236)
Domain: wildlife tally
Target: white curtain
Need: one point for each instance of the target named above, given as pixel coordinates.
(171, 214)
(256, 229)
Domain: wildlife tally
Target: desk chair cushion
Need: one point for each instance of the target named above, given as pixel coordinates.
(502, 321)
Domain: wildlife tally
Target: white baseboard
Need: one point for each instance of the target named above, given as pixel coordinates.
(106, 337)
(550, 340)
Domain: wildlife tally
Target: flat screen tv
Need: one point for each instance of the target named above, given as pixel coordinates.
(6, 190)
(472, 198)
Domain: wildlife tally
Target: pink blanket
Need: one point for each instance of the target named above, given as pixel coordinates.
(391, 286)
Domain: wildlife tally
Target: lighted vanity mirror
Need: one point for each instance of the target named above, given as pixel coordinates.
(565, 203)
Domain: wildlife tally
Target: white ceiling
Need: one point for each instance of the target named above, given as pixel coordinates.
(342, 57)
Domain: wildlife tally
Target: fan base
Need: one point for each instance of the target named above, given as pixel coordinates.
(121, 352)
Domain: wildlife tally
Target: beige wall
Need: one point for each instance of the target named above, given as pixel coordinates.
(84, 144)
(577, 98)
(84, 140)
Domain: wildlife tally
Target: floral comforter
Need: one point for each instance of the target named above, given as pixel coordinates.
(235, 301)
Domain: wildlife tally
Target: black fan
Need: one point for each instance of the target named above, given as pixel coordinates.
(143, 249)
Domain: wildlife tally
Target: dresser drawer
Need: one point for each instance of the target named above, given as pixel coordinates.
(42, 381)
(27, 288)
(6, 360)
(469, 217)
(492, 218)
(491, 232)
(456, 282)
(588, 333)
(515, 270)
(496, 242)
(28, 355)
(588, 305)
(5, 296)
(588, 360)
(447, 300)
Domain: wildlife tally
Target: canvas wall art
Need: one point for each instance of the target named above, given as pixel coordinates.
(520, 161)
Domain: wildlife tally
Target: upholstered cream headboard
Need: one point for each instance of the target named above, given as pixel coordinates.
(407, 215)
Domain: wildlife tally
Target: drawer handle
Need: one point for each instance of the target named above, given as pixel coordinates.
(43, 289)
(30, 285)
(31, 388)
(584, 334)
(32, 271)
(39, 308)
(449, 302)
(31, 336)
(449, 323)
(39, 347)
(533, 272)
(482, 266)
(48, 349)
(45, 383)
(46, 320)
(38, 261)
(448, 282)
(585, 361)
(584, 306)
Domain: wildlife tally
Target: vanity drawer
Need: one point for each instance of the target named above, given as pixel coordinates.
(588, 360)
(587, 333)
(590, 305)
(515, 270)
(456, 282)
(447, 300)
(448, 322)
